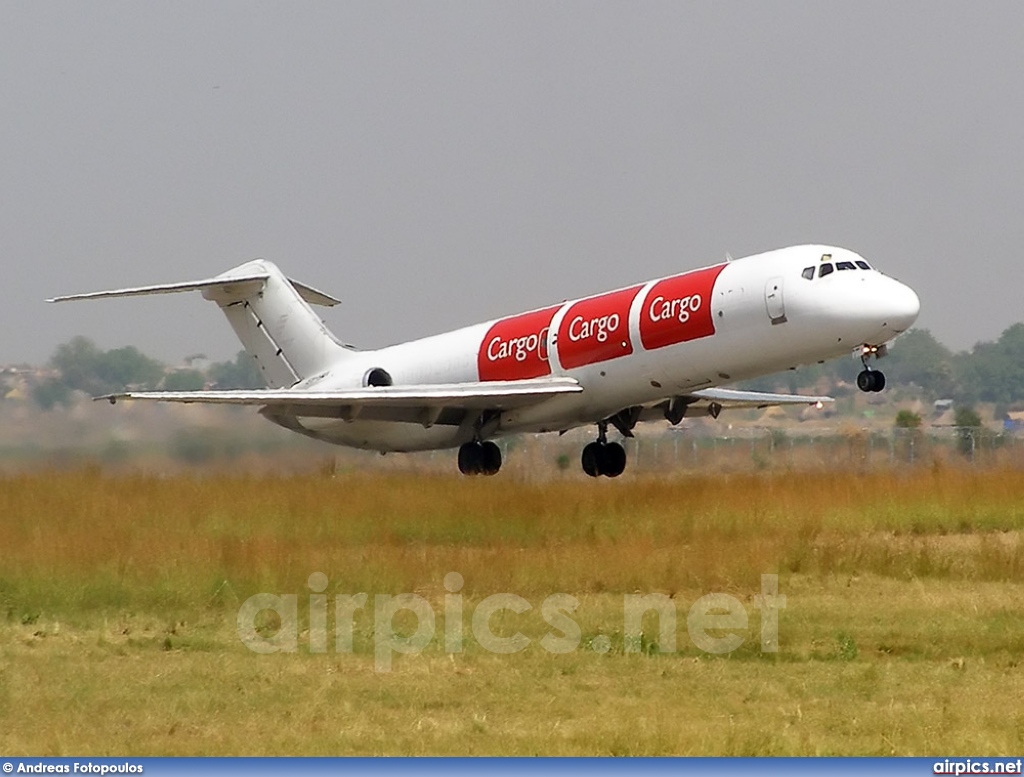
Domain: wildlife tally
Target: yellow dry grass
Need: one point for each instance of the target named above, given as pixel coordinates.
(901, 634)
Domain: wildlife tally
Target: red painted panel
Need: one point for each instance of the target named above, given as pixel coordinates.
(596, 329)
(516, 348)
(678, 309)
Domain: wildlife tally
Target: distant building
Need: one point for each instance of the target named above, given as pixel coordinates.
(1014, 421)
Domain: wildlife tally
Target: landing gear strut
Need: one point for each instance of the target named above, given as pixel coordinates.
(870, 380)
(603, 457)
(479, 458)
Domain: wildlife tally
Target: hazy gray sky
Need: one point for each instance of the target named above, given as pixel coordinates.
(436, 164)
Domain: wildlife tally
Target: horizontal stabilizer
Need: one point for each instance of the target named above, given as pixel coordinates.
(314, 296)
(222, 287)
(227, 285)
(497, 395)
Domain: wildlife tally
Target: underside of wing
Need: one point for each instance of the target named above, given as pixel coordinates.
(714, 400)
(442, 402)
(734, 398)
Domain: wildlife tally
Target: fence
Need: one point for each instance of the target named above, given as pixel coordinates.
(743, 450)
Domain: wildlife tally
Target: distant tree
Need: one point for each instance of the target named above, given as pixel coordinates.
(84, 367)
(49, 393)
(184, 380)
(78, 363)
(967, 417)
(907, 419)
(994, 372)
(242, 373)
(968, 429)
(129, 367)
(919, 358)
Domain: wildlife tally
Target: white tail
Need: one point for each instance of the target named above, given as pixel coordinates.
(271, 315)
(276, 324)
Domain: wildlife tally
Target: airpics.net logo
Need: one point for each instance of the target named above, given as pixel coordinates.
(716, 623)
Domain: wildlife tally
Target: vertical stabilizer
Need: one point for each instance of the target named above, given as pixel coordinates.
(270, 313)
(276, 324)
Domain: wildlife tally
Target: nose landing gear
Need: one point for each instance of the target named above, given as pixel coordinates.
(870, 380)
(603, 457)
(479, 458)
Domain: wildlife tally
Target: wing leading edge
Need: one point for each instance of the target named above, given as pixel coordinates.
(496, 395)
(734, 398)
(714, 400)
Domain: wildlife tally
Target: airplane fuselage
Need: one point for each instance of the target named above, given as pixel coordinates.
(666, 337)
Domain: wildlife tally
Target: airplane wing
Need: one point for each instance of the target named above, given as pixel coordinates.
(734, 398)
(385, 400)
(448, 403)
(714, 400)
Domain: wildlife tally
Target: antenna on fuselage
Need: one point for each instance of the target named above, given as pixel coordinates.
(728, 256)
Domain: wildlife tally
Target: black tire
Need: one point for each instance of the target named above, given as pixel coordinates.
(866, 380)
(470, 458)
(591, 459)
(878, 380)
(490, 458)
(613, 461)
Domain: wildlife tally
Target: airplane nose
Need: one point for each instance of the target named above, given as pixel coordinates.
(904, 306)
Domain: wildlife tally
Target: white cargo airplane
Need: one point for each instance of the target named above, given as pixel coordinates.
(654, 350)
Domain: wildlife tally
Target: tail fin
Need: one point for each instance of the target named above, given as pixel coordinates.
(271, 315)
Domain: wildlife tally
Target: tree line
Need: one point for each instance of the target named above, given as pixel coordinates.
(81, 366)
(988, 372)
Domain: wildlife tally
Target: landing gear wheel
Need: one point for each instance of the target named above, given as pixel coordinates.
(864, 381)
(479, 458)
(470, 456)
(871, 381)
(591, 459)
(614, 463)
(599, 458)
(490, 458)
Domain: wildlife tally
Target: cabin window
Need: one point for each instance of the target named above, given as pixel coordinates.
(825, 269)
(863, 265)
(845, 266)
(808, 273)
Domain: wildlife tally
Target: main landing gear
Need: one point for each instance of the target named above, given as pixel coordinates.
(870, 380)
(603, 457)
(479, 458)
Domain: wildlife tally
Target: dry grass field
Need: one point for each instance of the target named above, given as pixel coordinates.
(902, 630)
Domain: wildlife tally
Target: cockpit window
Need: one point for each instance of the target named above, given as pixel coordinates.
(808, 273)
(825, 269)
(845, 266)
(863, 265)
